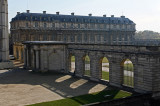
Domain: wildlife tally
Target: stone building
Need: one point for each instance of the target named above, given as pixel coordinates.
(4, 43)
(69, 28)
(56, 56)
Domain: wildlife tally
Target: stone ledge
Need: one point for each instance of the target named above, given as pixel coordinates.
(6, 65)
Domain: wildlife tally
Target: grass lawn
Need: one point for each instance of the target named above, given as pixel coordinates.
(86, 99)
(128, 81)
(105, 75)
(87, 72)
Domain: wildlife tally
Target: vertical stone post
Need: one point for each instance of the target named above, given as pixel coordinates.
(37, 59)
(95, 66)
(115, 72)
(79, 64)
(4, 40)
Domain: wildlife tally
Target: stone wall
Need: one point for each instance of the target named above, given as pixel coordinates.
(55, 57)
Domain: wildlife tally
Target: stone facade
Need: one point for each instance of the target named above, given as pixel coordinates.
(70, 28)
(4, 41)
(145, 59)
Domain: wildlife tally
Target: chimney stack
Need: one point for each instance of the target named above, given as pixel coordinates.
(44, 12)
(112, 15)
(28, 11)
(72, 13)
(122, 16)
(104, 15)
(90, 15)
(18, 13)
(57, 13)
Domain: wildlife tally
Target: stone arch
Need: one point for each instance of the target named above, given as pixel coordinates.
(72, 62)
(104, 68)
(86, 65)
(127, 69)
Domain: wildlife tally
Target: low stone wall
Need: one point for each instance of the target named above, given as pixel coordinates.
(6, 65)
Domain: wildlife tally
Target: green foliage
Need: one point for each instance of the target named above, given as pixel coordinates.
(87, 99)
(87, 73)
(105, 75)
(147, 35)
(73, 59)
(105, 60)
(128, 81)
(87, 60)
(128, 67)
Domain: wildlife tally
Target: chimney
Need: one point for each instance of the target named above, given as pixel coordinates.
(122, 16)
(44, 12)
(57, 13)
(28, 11)
(104, 15)
(112, 15)
(18, 13)
(72, 13)
(90, 15)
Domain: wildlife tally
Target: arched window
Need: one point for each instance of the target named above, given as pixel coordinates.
(105, 69)
(128, 73)
(87, 65)
(72, 64)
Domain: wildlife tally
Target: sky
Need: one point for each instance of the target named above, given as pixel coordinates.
(145, 13)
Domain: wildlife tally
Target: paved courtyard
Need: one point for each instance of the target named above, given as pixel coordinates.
(20, 87)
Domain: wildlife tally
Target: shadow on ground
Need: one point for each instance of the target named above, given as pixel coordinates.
(62, 84)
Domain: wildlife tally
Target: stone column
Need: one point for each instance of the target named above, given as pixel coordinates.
(4, 40)
(115, 72)
(79, 64)
(37, 59)
(95, 66)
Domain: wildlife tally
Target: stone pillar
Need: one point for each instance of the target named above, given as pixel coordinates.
(95, 66)
(37, 59)
(25, 56)
(115, 72)
(79, 64)
(4, 40)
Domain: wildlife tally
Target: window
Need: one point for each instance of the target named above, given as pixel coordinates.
(36, 24)
(105, 38)
(79, 38)
(53, 25)
(45, 25)
(98, 37)
(44, 37)
(79, 26)
(72, 38)
(65, 37)
(86, 38)
(26, 24)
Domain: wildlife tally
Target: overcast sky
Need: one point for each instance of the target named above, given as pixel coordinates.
(145, 13)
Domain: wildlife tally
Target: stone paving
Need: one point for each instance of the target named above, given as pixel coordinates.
(20, 87)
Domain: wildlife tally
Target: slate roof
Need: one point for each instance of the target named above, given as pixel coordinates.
(71, 18)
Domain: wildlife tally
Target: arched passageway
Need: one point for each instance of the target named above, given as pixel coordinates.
(87, 71)
(72, 65)
(128, 73)
(105, 68)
